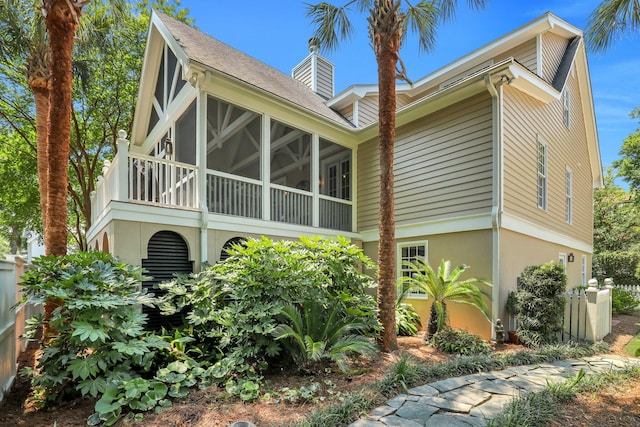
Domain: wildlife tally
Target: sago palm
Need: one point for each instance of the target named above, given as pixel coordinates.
(389, 22)
(319, 333)
(444, 286)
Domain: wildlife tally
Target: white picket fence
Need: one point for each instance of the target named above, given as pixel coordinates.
(634, 289)
(587, 315)
(12, 320)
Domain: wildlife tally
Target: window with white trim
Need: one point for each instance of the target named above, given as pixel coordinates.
(542, 175)
(566, 104)
(583, 271)
(411, 252)
(568, 196)
(562, 260)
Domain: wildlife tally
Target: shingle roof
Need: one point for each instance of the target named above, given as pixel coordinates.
(214, 54)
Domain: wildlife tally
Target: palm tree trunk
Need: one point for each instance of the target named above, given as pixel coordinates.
(61, 19)
(386, 28)
(432, 326)
(61, 26)
(40, 84)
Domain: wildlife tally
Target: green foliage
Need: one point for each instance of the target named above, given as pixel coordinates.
(623, 301)
(445, 286)
(455, 341)
(615, 218)
(98, 327)
(407, 319)
(540, 303)
(320, 333)
(233, 308)
(620, 266)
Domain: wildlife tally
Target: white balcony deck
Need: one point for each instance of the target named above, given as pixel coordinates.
(146, 180)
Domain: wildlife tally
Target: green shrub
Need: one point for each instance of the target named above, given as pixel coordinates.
(233, 307)
(623, 301)
(407, 320)
(98, 331)
(620, 266)
(540, 304)
(454, 341)
(319, 333)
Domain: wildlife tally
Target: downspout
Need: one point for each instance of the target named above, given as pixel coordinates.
(495, 90)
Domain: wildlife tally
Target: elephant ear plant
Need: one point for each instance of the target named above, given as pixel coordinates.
(445, 286)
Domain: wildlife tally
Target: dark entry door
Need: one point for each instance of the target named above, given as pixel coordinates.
(168, 254)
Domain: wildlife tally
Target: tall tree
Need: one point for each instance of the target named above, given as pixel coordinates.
(388, 24)
(629, 164)
(616, 218)
(23, 33)
(610, 20)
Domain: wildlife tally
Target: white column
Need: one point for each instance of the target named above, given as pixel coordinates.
(266, 167)
(201, 163)
(122, 191)
(315, 179)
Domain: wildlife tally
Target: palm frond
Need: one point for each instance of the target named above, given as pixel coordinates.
(610, 20)
(422, 19)
(331, 23)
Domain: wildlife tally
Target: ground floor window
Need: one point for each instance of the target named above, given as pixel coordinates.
(410, 252)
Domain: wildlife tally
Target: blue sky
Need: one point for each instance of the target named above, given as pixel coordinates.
(277, 31)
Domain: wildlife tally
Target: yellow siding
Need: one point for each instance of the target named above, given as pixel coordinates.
(524, 119)
(525, 54)
(443, 166)
(347, 112)
(367, 110)
(553, 48)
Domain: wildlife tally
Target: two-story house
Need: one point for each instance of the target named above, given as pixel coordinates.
(496, 159)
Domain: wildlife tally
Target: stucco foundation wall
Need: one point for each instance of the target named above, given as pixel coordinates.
(518, 251)
(473, 248)
(131, 240)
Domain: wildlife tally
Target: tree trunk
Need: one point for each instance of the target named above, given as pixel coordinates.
(61, 18)
(61, 27)
(386, 30)
(432, 326)
(40, 84)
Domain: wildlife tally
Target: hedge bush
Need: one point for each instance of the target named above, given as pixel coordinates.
(540, 304)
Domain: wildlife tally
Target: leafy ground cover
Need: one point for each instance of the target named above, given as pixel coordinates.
(292, 396)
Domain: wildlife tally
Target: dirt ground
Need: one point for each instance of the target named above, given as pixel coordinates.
(205, 408)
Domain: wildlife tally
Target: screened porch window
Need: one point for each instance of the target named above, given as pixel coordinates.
(233, 139)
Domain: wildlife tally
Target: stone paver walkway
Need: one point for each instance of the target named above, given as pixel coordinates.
(471, 399)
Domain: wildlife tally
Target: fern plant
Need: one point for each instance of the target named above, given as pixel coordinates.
(407, 319)
(317, 333)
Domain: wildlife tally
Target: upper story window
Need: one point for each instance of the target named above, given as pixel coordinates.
(408, 253)
(568, 196)
(542, 175)
(335, 170)
(566, 101)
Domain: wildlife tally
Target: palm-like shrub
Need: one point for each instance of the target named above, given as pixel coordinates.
(445, 286)
(407, 319)
(319, 333)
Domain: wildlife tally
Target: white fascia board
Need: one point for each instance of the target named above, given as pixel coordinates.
(138, 212)
(522, 226)
(589, 117)
(356, 92)
(272, 228)
(441, 226)
(547, 22)
(529, 83)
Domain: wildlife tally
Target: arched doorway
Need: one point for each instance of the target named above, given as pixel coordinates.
(228, 244)
(168, 254)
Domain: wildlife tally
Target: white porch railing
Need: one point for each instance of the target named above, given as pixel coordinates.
(291, 205)
(336, 214)
(228, 195)
(587, 315)
(164, 182)
(132, 177)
